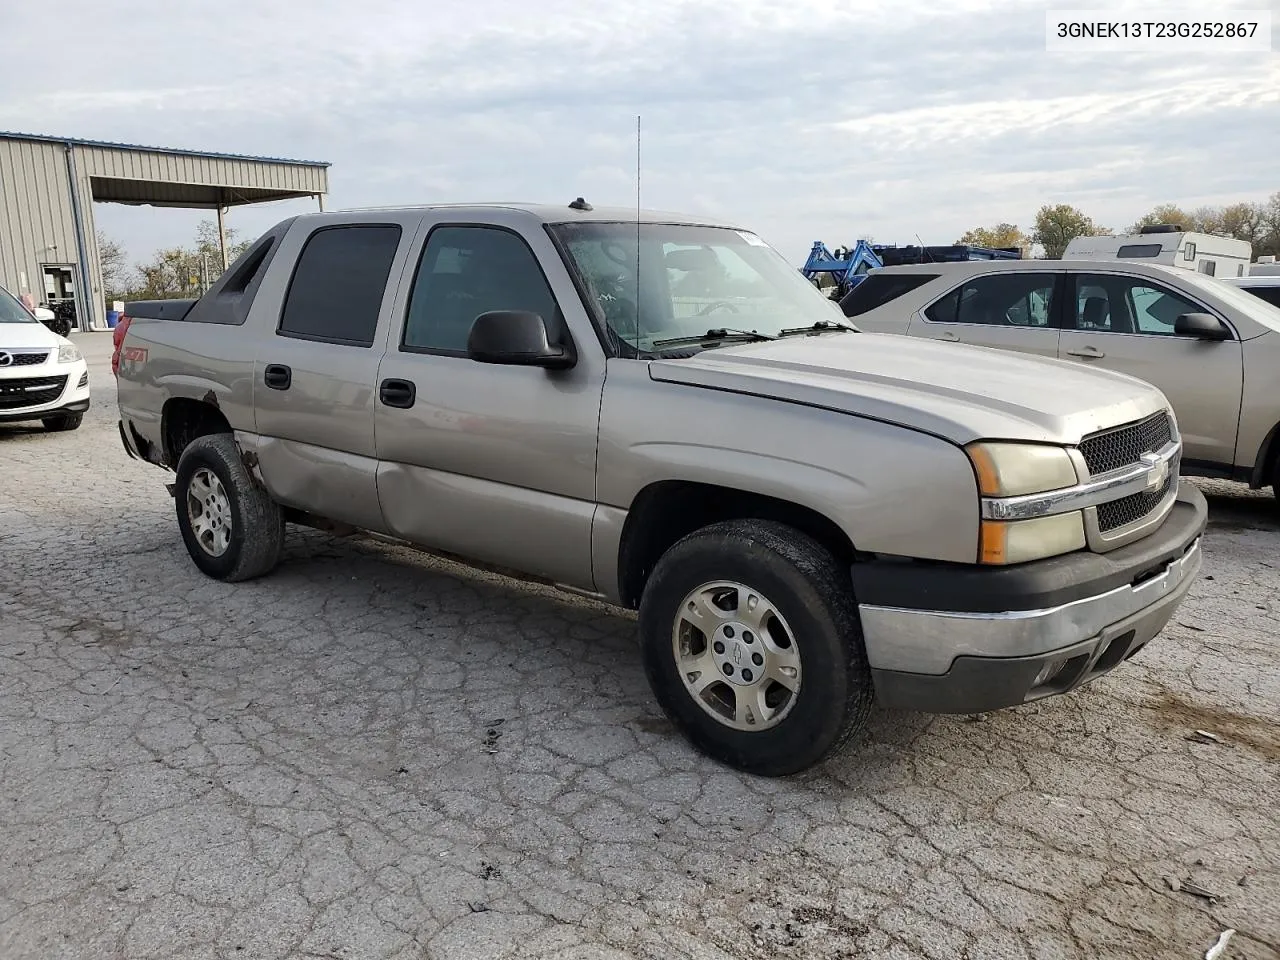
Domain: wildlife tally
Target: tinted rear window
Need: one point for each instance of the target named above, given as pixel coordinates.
(878, 289)
(1139, 251)
(337, 287)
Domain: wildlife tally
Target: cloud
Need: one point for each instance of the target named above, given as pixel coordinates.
(805, 120)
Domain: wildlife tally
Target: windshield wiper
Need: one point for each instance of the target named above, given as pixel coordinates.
(717, 333)
(820, 325)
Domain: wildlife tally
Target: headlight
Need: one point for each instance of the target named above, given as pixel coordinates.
(1015, 469)
(1018, 470)
(1017, 541)
(68, 353)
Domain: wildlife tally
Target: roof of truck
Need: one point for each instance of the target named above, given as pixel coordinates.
(552, 213)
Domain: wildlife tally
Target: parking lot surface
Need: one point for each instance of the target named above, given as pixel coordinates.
(372, 753)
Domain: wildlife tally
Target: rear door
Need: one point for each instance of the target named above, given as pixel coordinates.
(1125, 323)
(317, 365)
(1015, 310)
(494, 463)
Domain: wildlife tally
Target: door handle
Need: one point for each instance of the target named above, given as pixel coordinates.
(398, 393)
(1087, 353)
(277, 376)
(949, 337)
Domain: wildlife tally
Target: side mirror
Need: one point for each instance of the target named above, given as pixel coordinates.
(1201, 326)
(43, 313)
(516, 338)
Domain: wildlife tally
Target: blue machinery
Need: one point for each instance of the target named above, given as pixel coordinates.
(848, 266)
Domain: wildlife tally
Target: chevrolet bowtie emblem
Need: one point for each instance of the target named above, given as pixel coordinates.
(1157, 471)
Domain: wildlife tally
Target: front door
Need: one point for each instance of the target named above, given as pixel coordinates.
(1125, 323)
(60, 290)
(495, 463)
(1008, 311)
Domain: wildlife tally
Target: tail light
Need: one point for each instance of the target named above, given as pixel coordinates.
(117, 340)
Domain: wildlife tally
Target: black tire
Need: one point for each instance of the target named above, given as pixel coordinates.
(65, 421)
(257, 524)
(813, 593)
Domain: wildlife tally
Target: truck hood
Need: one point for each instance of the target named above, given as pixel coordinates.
(959, 392)
(27, 335)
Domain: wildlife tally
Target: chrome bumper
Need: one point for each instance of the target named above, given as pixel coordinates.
(929, 641)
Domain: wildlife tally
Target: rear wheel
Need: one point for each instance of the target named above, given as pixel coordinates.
(232, 528)
(752, 645)
(65, 421)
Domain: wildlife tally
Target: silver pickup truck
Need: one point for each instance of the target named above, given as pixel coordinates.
(660, 411)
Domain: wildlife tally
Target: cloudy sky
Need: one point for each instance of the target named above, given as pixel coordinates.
(806, 119)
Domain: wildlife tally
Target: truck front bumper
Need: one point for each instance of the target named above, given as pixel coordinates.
(946, 638)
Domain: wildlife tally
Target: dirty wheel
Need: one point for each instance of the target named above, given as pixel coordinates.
(232, 528)
(65, 421)
(752, 646)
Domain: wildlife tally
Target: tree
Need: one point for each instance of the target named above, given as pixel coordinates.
(207, 244)
(176, 272)
(1165, 213)
(1058, 224)
(1269, 231)
(115, 269)
(1244, 221)
(1001, 235)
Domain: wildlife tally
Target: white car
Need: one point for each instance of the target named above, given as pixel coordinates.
(42, 375)
(1209, 346)
(1265, 286)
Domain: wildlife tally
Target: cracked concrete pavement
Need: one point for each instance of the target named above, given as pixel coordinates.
(375, 754)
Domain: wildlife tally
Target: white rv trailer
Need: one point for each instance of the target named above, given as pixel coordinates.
(1172, 246)
(1265, 267)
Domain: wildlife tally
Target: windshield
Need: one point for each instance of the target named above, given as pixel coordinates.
(691, 280)
(1254, 307)
(11, 311)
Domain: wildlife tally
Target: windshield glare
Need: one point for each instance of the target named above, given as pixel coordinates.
(11, 311)
(691, 279)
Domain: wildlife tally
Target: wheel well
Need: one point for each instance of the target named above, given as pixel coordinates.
(184, 420)
(664, 512)
(1267, 473)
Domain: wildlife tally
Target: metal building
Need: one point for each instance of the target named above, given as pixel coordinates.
(48, 244)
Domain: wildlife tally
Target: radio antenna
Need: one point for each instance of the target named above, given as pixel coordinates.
(638, 209)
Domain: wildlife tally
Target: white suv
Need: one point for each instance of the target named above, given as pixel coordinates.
(1212, 348)
(1265, 286)
(42, 375)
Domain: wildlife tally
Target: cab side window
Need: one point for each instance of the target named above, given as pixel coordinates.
(1155, 309)
(465, 271)
(336, 291)
(1009, 299)
(1114, 304)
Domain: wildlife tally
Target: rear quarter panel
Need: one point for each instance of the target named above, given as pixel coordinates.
(163, 359)
(207, 356)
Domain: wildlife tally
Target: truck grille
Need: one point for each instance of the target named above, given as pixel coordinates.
(29, 359)
(1122, 446)
(1131, 509)
(30, 391)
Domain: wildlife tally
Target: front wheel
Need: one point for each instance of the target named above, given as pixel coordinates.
(232, 528)
(753, 648)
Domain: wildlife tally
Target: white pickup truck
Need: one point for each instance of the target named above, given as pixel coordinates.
(661, 412)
